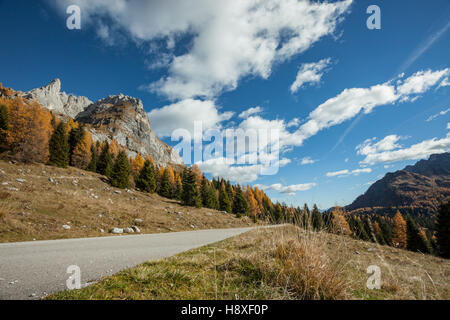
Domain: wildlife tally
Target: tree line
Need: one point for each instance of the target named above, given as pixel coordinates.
(30, 133)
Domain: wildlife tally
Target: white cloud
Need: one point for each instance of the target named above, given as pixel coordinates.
(444, 83)
(295, 122)
(346, 172)
(247, 113)
(351, 102)
(183, 114)
(310, 73)
(307, 160)
(420, 82)
(448, 126)
(388, 143)
(290, 190)
(442, 113)
(229, 39)
(219, 167)
(417, 151)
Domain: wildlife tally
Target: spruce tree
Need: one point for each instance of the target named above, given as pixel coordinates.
(443, 230)
(316, 217)
(92, 166)
(209, 196)
(59, 147)
(165, 189)
(224, 200)
(190, 193)
(415, 241)
(4, 127)
(146, 181)
(76, 135)
(240, 205)
(105, 161)
(120, 175)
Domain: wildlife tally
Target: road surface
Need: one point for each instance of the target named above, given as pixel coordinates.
(30, 270)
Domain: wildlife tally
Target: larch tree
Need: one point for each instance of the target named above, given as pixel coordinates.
(399, 240)
(81, 153)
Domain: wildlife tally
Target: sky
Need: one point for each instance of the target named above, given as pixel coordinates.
(349, 103)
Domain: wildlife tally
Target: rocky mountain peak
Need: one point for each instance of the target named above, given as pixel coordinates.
(119, 117)
(51, 97)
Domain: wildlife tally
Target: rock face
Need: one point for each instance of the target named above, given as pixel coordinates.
(51, 97)
(420, 187)
(124, 119)
(118, 117)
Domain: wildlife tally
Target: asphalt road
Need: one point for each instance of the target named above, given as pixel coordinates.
(30, 270)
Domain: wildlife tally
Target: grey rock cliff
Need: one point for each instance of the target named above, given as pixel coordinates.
(117, 117)
(51, 97)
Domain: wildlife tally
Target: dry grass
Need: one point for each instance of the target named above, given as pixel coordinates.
(278, 263)
(37, 209)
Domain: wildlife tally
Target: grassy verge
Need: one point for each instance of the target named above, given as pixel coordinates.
(281, 263)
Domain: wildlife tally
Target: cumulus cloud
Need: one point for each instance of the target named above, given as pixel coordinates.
(310, 73)
(417, 151)
(228, 39)
(346, 172)
(183, 115)
(442, 113)
(388, 143)
(307, 160)
(420, 82)
(245, 114)
(290, 190)
(220, 167)
(352, 102)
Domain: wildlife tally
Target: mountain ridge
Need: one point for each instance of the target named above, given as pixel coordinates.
(421, 187)
(119, 117)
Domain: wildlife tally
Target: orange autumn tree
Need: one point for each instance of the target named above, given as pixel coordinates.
(252, 203)
(340, 224)
(137, 164)
(29, 130)
(400, 239)
(81, 156)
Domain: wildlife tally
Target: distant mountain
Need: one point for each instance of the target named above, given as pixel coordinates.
(117, 117)
(417, 189)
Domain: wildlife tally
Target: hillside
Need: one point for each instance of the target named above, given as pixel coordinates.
(38, 200)
(417, 189)
(281, 263)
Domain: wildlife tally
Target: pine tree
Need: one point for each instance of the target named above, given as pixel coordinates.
(165, 189)
(224, 200)
(146, 181)
(443, 230)
(76, 136)
(59, 147)
(415, 241)
(316, 217)
(105, 161)
(209, 196)
(178, 189)
(120, 175)
(190, 193)
(4, 127)
(400, 239)
(92, 166)
(240, 206)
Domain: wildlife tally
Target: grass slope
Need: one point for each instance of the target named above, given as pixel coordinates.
(37, 208)
(278, 263)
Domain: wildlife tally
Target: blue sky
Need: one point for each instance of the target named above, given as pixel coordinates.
(211, 61)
